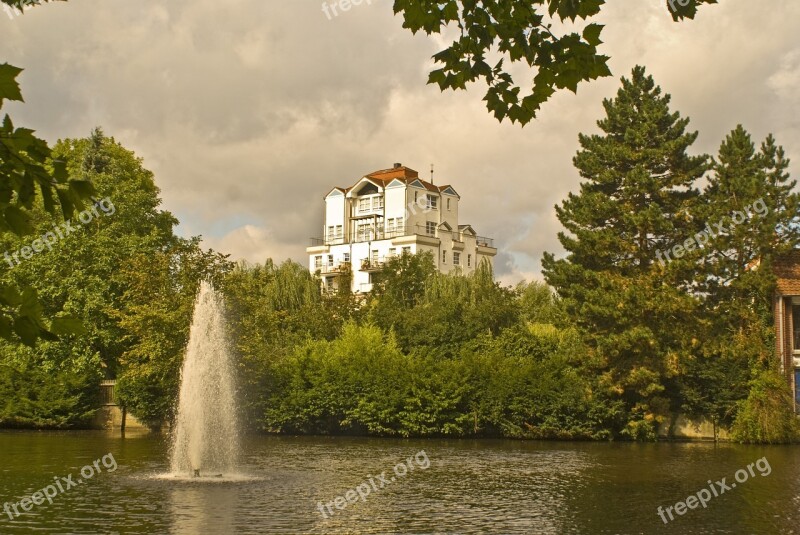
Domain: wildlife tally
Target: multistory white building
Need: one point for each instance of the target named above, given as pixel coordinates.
(387, 213)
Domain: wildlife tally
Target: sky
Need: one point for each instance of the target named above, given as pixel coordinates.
(250, 111)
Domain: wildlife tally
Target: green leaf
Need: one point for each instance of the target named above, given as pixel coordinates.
(66, 325)
(9, 88)
(27, 331)
(9, 295)
(5, 328)
(592, 34)
(83, 188)
(18, 220)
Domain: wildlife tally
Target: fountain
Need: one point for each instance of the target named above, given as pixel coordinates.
(206, 433)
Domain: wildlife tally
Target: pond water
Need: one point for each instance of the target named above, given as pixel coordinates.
(444, 486)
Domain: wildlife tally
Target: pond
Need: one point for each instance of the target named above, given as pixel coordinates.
(99, 482)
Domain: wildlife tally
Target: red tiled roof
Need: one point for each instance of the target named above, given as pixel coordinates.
(787, 270)
(404, 174)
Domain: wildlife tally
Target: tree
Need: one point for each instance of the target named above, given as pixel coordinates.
(767, 415)
(158, 304)
(518, 31)
(399, 286)
(27, 168)
(87, 272)
(273, 310)
(752, 215)
(538, 304)
(632, 306)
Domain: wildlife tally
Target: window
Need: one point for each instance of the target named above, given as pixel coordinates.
(797, 389)
(338, 232)
(392, 251)
(430, 228)
(330, 232)
(406, 250)
(448, 205)
(796, 328)
(469, 260)
(364, 204)
(415, 196)
(390, 225)
(431, 202)
(456, 258)
(400, 227)
(364, 232)
(330, 260)
(374, 256)
(317, 262)
(346, 258)
(444, 257)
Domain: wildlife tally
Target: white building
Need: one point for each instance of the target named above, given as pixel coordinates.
(387, 213)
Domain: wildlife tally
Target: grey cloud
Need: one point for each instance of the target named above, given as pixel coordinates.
(250, 110)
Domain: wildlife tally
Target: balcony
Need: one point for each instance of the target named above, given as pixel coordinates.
(484, 242)
(371, 265)
(331, 240)
(332, 269)
(366, 234)
(365, 287)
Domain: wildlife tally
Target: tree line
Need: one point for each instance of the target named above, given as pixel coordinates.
(615, 343)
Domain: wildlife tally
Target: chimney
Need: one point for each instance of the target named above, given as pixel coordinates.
(398, 165)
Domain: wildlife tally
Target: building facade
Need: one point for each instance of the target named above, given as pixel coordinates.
(787, 319)
(388, 213)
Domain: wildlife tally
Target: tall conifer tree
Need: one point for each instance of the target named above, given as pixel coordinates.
(624, 280)
(752, 214)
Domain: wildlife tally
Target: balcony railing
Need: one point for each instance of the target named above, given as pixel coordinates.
(335, 268)
(484, 242)
(372, 234)
(365, 287)
(376, 264)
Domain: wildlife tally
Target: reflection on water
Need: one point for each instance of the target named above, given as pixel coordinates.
(470, 487)
(193, 508)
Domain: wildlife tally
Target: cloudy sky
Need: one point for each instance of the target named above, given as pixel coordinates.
(249, 111)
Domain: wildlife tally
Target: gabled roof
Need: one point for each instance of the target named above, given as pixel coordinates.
(467, 227)
(405, 175)
(340, 190)
(445, 224)
(377, 183)
(447, 189)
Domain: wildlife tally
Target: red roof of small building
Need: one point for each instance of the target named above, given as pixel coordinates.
(787, 270)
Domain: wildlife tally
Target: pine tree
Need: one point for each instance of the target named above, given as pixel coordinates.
(752, 215)
(624, 280)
